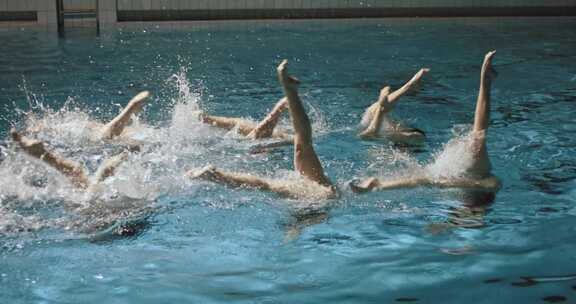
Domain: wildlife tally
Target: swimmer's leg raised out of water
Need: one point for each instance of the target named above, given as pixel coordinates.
(395, 96)
(227, 123)
(36, 149)
(376, 114)
(107, 169)
(109, 166)
(306, 161)
(116, 126)
(74, 171)
(480, 170)
(377, 119)
(264, 129)
(482, 166)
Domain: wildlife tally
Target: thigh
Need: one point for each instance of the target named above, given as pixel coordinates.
(244, 126)
(307, 163)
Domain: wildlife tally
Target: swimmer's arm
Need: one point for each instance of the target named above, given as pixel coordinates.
(395, 96)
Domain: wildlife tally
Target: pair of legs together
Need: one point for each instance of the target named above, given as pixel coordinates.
(73, 170)
(264, 129)
(306, 161)
(377, 115)
(479, 176)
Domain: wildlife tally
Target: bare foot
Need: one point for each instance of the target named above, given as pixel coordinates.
(31, 146)
(287, 80)
(137, 102)
(198, 115)
(416, 78)
(487, 70)
(421, 73)
(108, 168)
(363, 186)
(116, 126)
(383, 98)
(207, 173)
(15, 135)
(203, 117)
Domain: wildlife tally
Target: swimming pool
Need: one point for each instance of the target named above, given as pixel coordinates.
(197, 242)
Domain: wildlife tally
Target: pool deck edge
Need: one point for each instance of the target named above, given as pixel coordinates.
(341, 13)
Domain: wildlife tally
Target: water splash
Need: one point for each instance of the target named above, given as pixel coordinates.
(387, 122)
(318, 119)
(456, 158)
(12, 223)
(69, 132)
(168, 150)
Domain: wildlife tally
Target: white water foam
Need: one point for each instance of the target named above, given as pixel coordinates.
(168, 151)
(456, 157)
(453, 161)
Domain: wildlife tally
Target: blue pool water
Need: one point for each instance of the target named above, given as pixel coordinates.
(197, 242)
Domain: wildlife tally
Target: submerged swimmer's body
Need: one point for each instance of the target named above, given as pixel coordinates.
(378, 124)
(475, 177)
(74, 171)
(306, 161)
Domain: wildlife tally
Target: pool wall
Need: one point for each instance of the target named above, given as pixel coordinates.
(16, 13)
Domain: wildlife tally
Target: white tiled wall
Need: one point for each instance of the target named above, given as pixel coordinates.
(47, 13)
(79, 4)
(109, 5)
(297, 4)
(107, 9)
(46, 9)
